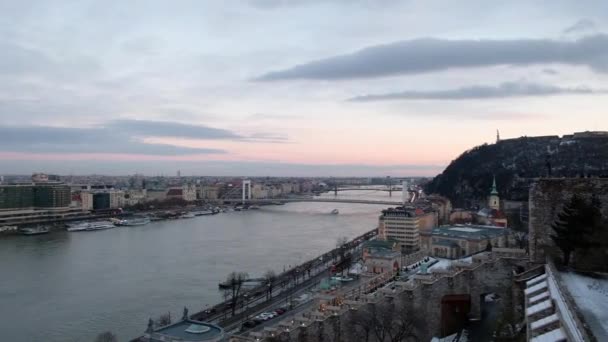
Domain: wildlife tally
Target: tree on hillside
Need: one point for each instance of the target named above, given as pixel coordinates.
(107, 336)
(235, 280)
(575, 225)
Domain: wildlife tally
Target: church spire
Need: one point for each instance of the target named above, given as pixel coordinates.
(494, 190)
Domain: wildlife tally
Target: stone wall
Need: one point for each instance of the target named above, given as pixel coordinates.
(546, 200)
(423, 296)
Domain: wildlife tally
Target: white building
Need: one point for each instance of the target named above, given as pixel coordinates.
(117, 199)
(86, 200)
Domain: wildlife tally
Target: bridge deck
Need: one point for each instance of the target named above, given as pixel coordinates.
(320, 200)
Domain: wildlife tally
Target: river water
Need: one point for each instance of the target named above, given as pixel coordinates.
(72, 286)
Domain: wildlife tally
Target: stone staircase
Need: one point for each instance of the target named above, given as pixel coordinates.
(544, 322)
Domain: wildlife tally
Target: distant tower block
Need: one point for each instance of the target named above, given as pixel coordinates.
(179, 173)
(404, 192)
(246, 190)
(497, 136)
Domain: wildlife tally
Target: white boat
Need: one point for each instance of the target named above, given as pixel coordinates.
(254, 207)
(335, 212)
(187, 215)
(8, 229)
(203, 212)
(136, 221)
(35, 231)
(76, 227)
(99, 225)
(89, 226)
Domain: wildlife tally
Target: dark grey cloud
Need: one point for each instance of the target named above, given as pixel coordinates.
(503, 90)
(581, 26)
(431, 55)
(171, 129)
(167, 129)
(120, 136)
(46, 139)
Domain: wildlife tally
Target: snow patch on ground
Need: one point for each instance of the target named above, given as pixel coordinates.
(445, 264)
(591, 296)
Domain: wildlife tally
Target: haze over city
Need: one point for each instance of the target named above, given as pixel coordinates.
(301, 88)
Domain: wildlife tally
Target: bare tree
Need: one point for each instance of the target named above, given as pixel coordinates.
(385, 322)
(341, 241)
(360, 324)
(107, 336)
(164, 319)
(269, 278)
(235, 280)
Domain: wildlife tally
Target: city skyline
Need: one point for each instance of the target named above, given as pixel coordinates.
(294, 88)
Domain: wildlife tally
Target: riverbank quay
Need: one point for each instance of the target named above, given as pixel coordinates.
(287, 284)
(59, 221)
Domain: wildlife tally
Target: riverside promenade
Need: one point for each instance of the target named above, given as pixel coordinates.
(286, 285)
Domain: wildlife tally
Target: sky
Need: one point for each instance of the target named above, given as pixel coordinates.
(290, 88)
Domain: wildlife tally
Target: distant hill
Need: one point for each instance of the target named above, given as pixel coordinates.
(516, 162)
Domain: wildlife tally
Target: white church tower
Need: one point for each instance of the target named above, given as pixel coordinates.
(493, 199)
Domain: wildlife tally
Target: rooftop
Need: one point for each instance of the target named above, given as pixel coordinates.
(189, 330)
(468, 232)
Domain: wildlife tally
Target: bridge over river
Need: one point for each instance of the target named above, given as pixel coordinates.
(310, 199)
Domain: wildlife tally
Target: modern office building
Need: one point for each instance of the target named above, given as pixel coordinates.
(101, 201)
(401, 224)
(28, 196)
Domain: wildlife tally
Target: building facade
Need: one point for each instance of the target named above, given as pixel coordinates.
(43, 195)
(459, 241)
(400, 224)
(101, 201)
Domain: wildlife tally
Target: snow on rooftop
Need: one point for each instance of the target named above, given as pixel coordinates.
(536, 308)
(536, 280)
(536, 288)
(444, 264)
(591, 297)
(541, 296)
(543, 322)
(466, 229)
(551, 336)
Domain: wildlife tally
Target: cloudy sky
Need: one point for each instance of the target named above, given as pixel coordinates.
(290, 87)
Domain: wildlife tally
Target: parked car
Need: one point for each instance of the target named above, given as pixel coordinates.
(249, 324)
(280, 311)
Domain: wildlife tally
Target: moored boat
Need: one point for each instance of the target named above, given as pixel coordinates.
(135, 221)
(187, 215)
(35, 230)
(335, 212)
(203, 212)
(89, 226)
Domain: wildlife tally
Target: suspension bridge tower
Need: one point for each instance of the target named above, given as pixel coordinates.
(246, 190)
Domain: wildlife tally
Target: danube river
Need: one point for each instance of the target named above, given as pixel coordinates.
(72, 286)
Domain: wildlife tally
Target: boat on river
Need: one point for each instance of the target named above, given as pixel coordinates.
(335, 212)
(187, 215)
(135, 221)
(35, 230)
(203, 212)
(90, 226)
